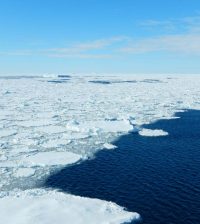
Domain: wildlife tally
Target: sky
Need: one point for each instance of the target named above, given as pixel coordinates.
(100, 36)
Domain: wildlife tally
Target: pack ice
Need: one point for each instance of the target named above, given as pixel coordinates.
(46, 124)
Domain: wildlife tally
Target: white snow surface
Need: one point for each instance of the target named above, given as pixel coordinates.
(49, 207)
(51, 158)
(152, 133)
(109, 146)
(45, 126)
(24, 172)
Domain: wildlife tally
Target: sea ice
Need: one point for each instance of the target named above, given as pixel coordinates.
(152, 133)
(53, 143)
(109, 146)
(84, 114)
(50, 159)
(7, 132)
(49, 207)
(51, 129)
(110, 126)
(24, 172)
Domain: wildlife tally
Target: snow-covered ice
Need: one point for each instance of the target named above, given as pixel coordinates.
(109, 146)
(53, 143)
(6, 132)
(49, 207)
(152, 133)
(24, 172)
(51, 158)
(45, 126)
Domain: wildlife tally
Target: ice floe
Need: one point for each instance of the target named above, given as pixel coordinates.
(52, 158)
(24, 172)
(152, 133)
(109, 146)
(42, 207)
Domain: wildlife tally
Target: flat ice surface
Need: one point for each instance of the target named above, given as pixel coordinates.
(51, 207)
(43, 159)
(151, 133)
(51, 158)
(47, 125)
(24, 172)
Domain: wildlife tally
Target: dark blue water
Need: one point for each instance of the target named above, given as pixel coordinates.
(158, 177)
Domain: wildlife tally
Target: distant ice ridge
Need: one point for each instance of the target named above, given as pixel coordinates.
(40, 206)
(47, 125)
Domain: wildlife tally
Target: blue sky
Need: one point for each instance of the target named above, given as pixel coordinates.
(112, 36)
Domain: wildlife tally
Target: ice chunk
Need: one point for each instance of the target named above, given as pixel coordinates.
(42, 207)
(152, 133)
(109, 146)
(24, 172)
(114, 126)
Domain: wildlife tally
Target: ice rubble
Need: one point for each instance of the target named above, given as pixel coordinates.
(44, 126)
